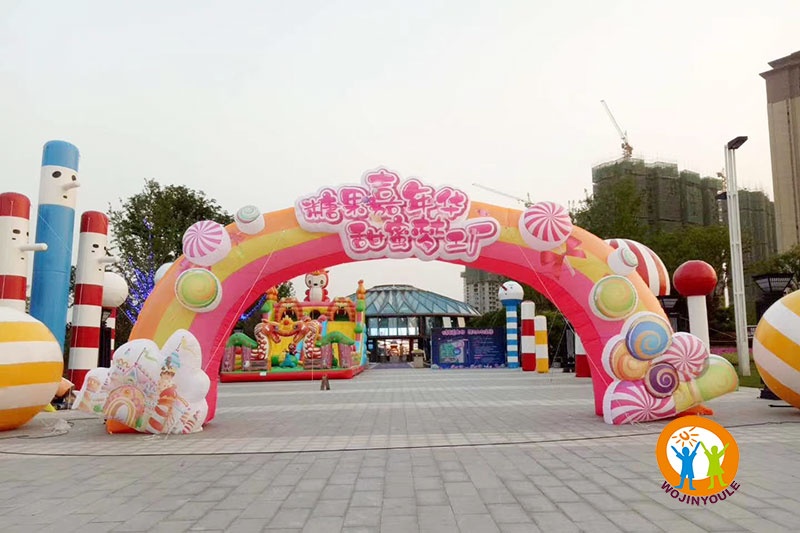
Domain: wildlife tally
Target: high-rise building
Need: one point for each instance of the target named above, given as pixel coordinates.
(757, 220)
(783, 112)
(671, 199)
(481, 290)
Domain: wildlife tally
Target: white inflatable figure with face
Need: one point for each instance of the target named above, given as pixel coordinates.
(511, 294)
(93, 258)
(511, 291)
(57, 186)
(316, 282)
(15, 212)
(55, 224)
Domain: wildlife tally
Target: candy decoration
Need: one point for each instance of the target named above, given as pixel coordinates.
(688, 354)
(161, 271)
(30, 367)
(776, 348)
(661, 380)
(650, 267)
(648, 336)
(249, 220)
(206, 243)
(198, 290)
(618, 362)
(719, 378)
(545, 226)
(629, 401)
(125, 404)
(613, 298)
(623, 261)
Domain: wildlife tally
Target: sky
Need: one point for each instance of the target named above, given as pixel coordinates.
(260, 102)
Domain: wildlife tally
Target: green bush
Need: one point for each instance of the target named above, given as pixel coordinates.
(275, 360)
(335, 362)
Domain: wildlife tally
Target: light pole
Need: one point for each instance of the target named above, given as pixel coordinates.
(737, 269)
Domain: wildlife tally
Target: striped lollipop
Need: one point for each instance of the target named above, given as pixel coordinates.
(629, 401)
(206, 243)
(545, 226)
(650, 267)
(688, 354)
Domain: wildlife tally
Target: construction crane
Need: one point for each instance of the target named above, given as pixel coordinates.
(627, 149)
(526, 203)
(721, 175)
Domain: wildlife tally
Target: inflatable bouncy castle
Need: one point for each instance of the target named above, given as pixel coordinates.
(301, 339)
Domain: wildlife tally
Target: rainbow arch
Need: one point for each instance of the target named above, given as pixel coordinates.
(568, 275)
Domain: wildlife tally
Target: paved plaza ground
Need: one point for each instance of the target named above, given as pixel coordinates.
(470, 451)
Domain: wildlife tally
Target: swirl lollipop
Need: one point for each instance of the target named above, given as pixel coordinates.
(623, 261)
(648, 336)
(613, 298)
(661, 380)
(249, 220)
(545, 226)
(629, 401)
(688, 354)
(198, 290)
(206, 243)
(618, 362)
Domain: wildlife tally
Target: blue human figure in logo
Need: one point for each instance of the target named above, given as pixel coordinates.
(687, 468)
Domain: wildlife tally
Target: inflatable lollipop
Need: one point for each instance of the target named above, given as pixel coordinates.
(198, 290)
(613, 298)
(545, 226)
(623, 261)
(688, 354)
(647, 336)
(618, 362)
(629, 401)
(650, 267)
(206, 243)
(249, 220)
(661, 380)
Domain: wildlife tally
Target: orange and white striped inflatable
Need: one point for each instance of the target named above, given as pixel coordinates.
(31, 365)
(776, 348)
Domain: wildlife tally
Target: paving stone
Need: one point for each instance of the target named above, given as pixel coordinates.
(253, 468)
(363, 516)
(476, 523)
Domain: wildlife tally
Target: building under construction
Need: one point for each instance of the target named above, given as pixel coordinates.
(673, 199)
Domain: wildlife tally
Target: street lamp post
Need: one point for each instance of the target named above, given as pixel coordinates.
(737, 268)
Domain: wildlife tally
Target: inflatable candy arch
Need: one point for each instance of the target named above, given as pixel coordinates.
(385, 216)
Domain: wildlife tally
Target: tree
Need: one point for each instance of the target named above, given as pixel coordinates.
(612, 212)
(787, 262)
(147, 231)
(706, 243)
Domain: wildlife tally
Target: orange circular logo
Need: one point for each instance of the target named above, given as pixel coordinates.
(697, 456)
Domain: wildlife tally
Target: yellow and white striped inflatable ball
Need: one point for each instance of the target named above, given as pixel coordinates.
(776, 348)
(31, 365)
